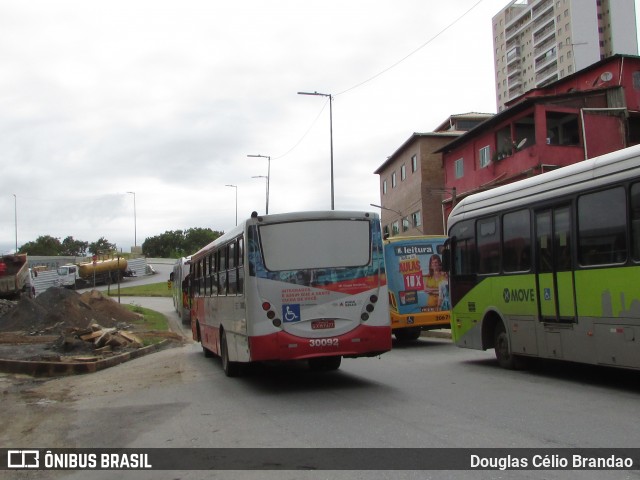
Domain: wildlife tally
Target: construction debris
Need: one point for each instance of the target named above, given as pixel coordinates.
(85, 326)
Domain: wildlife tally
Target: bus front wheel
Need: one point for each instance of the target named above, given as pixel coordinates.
(506, 359)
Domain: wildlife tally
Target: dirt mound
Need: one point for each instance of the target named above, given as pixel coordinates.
(58, 310)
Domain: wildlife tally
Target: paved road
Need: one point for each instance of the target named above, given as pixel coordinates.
(428, 394)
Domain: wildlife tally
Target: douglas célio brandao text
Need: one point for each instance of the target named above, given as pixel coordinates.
(569, 462)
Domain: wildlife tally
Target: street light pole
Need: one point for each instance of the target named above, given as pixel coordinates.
(330, 135)
(262, 176)
(236, 187)
(135, 221)
(268, 175)
(15, 217)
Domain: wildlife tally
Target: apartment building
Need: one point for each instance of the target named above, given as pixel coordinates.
(538, 42)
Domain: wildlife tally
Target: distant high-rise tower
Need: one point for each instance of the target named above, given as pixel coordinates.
(537, 42)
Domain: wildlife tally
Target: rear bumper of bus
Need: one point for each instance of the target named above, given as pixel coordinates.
(428, 321)
(364, 341)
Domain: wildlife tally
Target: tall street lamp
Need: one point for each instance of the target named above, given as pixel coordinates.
(135, 221)
(236, 187)
(268, 175)
(330, 134)
(15, 217)
(262, 176)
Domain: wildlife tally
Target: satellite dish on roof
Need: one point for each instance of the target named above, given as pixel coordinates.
(606, 76)
(521, 143)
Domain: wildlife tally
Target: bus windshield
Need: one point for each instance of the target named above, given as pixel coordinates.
(315, 244)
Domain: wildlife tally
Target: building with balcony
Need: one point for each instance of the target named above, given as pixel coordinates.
(590, 113)
(538, 42)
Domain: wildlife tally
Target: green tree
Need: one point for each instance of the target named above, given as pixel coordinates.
(178, 243)
(75, 248)
(196, 238)
(101, 245)
(44, 245)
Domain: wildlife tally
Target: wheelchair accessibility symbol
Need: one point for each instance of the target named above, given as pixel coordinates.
(291, 313)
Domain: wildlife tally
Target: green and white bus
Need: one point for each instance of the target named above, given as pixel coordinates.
(549, 266)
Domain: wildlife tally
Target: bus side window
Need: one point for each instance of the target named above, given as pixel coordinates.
(199, 277)
(224, 264)
(602, 227)
(205, 276)
(635, 221)
(463, 249)
(543, 242)
(210, 272)
(240, 265)
(488, 236)
(218, 272)
(516, 235)
(232, 275)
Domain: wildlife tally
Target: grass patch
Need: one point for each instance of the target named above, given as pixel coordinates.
(150, 290)
(151, 326)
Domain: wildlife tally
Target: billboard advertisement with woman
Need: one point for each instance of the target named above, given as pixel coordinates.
(418, 286)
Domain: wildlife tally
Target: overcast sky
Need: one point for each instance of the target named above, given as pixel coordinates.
(166, 99)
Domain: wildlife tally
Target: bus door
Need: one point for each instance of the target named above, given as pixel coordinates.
(554, 273)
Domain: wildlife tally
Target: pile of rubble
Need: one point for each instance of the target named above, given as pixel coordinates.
(97, 339)
(6, 305)
(67, 322)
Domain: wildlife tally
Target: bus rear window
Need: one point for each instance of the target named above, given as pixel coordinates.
(315, 244)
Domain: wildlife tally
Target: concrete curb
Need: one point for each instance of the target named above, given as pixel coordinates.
(440, 333)
(54, 369)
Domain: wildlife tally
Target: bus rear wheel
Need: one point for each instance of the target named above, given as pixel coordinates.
(325, 364)
(506, 359)
(231, 369)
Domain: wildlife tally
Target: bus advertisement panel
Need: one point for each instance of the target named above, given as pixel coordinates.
(308, 286)
(418, 286)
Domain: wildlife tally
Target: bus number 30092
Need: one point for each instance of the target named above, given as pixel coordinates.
(324, 342)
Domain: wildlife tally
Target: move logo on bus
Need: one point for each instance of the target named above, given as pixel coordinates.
(519, 295)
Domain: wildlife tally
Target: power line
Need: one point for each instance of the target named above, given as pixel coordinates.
(305, 133)
(413, 52)
(379, 74)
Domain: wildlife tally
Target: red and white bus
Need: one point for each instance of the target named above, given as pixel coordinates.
(293, 286)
